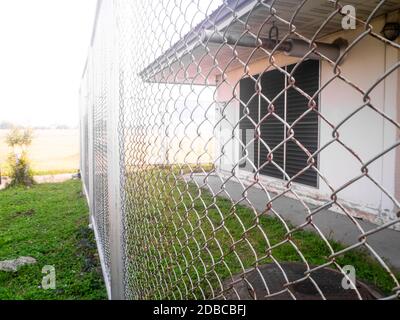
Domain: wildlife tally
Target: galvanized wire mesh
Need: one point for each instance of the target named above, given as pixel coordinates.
(258, 147)
(84, 134)
(96, 88)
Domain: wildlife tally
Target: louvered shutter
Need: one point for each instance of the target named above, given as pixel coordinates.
(306, 131)
(272, 129)
(248, 113)
(294, 159)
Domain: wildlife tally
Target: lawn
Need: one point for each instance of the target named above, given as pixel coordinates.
(180, 238)
(49, 222)
(182, 233)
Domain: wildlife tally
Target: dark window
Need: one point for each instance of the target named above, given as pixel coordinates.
(272, 128)
(257, 107)
(306, 130)
(248, 114)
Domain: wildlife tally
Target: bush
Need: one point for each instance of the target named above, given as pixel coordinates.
(18, 162)
(20, 172)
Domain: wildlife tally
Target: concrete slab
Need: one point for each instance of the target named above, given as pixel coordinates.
(54, 178)
(333, 225)
(4, 183)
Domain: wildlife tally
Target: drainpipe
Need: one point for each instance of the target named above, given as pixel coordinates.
(291, 47)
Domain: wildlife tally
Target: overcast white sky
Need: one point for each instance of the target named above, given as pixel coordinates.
(43, 49)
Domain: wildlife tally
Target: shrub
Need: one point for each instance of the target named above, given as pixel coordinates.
(20, 172)
(18, 161)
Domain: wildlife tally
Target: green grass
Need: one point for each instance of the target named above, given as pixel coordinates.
(185, 234)
(49, 222)
(179, 239)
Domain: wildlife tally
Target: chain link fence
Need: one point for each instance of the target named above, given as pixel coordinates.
(244, 149)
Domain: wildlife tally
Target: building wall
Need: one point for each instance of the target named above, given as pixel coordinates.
(367, 133)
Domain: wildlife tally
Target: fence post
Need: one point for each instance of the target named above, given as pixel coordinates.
(113, 150)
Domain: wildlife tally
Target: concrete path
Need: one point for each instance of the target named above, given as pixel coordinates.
(333, 225)
(4, 183)
(53, 178)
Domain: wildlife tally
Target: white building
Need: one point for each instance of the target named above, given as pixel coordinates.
(344, 119)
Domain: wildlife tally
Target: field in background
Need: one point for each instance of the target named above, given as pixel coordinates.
(52, 151)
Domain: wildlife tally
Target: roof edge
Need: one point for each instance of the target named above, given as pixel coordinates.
(218, 16)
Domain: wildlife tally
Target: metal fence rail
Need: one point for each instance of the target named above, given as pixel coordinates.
(244, 149)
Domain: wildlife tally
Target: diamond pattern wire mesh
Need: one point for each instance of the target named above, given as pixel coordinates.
(100, 87)
(202, 216)
(84, 134)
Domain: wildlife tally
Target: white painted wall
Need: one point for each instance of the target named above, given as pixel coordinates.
(367, 133)
(227, 136)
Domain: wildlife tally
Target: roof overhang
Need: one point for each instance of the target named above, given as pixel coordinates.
(196, 60)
